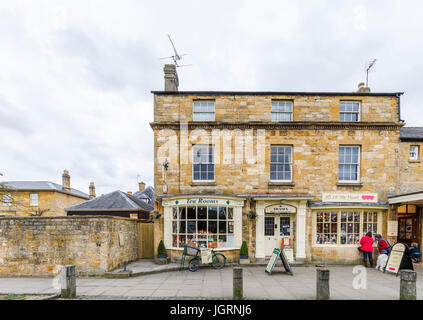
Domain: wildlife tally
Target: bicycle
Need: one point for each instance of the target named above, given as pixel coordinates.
(218, 259)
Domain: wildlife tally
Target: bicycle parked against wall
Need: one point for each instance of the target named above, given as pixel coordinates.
(218, 259)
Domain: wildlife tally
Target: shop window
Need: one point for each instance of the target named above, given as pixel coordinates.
(281, 163)
(414, 153)
(349, 163)
(281, 110)
(349, 111)
(204, 110)
(203, 163)
(343, 227)
(269, 226)
(203, 226)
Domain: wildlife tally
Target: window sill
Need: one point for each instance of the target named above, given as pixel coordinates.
(281, 183)
(203, 183)
(349, 184)
(414, 161)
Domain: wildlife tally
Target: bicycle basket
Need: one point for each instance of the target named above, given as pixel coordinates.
(190, 250)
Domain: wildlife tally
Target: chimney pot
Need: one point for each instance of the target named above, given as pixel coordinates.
(66, 180)
(171, 77)
(130, 193)
(141, 186)
(92, 190)
(362, 88)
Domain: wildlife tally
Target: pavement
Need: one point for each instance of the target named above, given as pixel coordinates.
(208, 283)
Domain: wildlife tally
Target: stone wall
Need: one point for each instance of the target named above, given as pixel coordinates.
(39, 246)
(411, 171)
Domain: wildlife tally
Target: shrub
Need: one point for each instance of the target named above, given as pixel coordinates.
(244, 249)
(161, 250)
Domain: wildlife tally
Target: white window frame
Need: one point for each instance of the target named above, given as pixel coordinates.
(350, 112)
(282, 104)
(206, 163)
(357, 164)
(196, 234)
(203, 107)
(281, 163)
(338, 210)
(33, 201)
(416, 152)
(7, 199)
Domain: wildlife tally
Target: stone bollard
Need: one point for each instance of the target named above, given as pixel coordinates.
(322, 284)
(68, 282)
(237, 290)
(408, 285)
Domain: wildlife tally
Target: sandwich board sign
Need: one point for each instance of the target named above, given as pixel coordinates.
(278, 253)
(399, 259)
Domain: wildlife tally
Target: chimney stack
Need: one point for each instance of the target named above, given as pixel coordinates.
(171, 77)
(362, 88)
(92, 190)
(66, 180)
(130, 193)
(141, 186)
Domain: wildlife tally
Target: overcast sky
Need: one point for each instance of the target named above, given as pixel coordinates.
(76, 76)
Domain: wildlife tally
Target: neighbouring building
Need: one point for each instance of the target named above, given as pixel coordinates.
(38, 198)
(118, 203)
(313, 171)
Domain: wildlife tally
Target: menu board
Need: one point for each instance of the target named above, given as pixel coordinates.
(273, 260)
(395, 258)
(206, 256)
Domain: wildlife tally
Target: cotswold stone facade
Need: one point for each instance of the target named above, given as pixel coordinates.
(231, 148)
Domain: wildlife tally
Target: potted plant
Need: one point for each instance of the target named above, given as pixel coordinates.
(243, 254)
(161, 253)
(252, 215)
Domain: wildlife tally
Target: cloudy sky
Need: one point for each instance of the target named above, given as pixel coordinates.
(76, 76)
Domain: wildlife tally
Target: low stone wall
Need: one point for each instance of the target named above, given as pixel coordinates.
(39, 246)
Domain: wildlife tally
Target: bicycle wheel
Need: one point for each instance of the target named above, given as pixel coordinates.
(218, 261)
(194, 264)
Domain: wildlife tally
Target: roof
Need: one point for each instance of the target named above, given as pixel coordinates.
(42, 186)
(411, 134)
(147, 193)
(116, 200)
(276, 93)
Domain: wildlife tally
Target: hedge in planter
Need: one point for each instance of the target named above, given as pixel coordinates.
(161, 250)
(243, 253)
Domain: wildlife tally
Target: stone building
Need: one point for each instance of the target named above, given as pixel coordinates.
(40, 198)
(312, 171)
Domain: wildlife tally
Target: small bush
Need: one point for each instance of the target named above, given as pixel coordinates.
(244, 249)
(161, 250)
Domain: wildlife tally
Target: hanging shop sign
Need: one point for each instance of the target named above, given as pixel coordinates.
(202, 202)
(349, 197)
(281, 208)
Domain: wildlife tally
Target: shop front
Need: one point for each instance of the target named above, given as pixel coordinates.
(406, 222)
(204, 221)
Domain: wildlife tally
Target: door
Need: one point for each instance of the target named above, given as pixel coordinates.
(271, 234)
(146, 236)
(408, 229)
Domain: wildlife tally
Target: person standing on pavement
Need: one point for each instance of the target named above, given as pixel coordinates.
(367, 248)
(382, 244)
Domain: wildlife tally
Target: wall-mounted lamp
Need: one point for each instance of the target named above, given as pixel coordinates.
(166, 164)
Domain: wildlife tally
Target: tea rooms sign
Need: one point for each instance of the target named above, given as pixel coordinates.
(349, 197)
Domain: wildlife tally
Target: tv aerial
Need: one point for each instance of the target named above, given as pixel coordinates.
(176, 57)
(368, 67)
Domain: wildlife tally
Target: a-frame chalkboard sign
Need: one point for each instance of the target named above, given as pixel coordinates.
(278, 253)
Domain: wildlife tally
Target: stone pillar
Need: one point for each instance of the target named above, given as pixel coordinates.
(68, 282)
(237, 284)
(408, 285)
(322, 284)
(260, 254)
(301, 231)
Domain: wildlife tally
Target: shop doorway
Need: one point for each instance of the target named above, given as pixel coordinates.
(277, 231)
(409, 224)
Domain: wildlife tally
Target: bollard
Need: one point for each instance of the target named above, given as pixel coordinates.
(68, 282)
(408, 285)
(322, 284)
(124, 266)
(237, 290)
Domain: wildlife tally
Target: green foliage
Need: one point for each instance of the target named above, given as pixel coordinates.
(244, 249)
(161, 249)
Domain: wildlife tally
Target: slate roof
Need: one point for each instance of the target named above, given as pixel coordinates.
(114, 200)
(42, 186)
(411, 134)
(147, 193)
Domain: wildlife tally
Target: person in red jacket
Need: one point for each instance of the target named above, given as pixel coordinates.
(367, 248)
